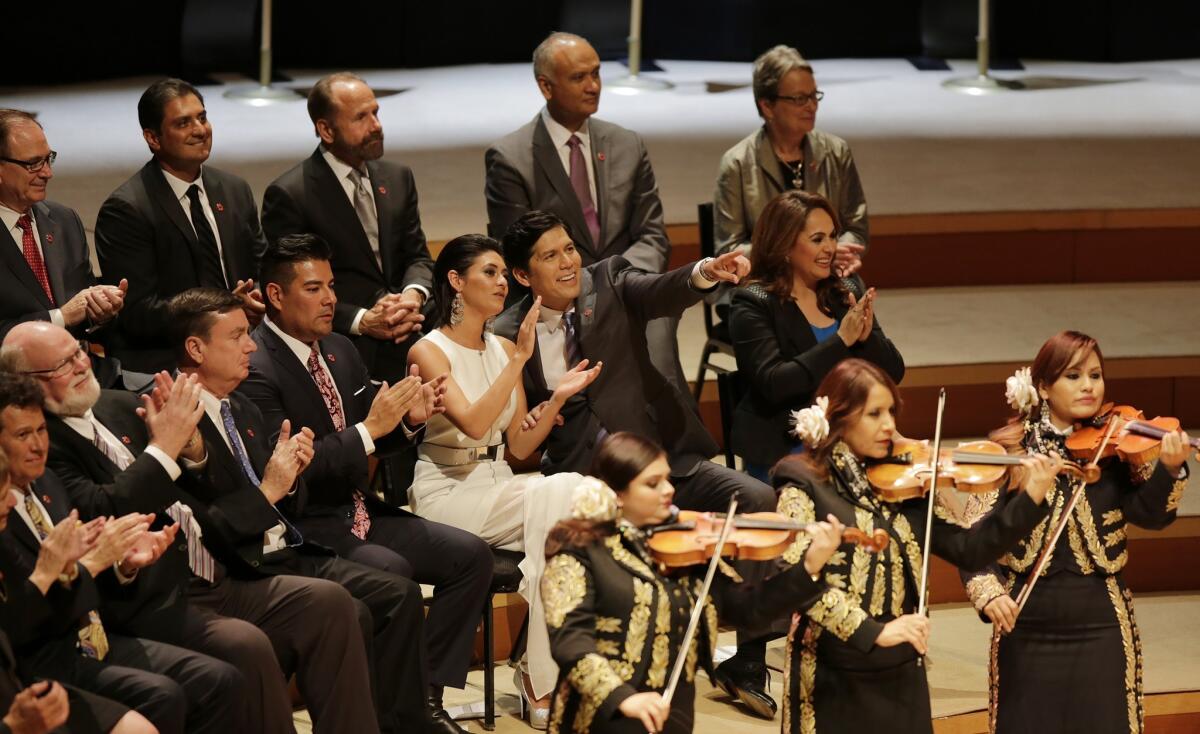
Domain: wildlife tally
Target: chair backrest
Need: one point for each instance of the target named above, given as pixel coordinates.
(708, 248)
(730, 390)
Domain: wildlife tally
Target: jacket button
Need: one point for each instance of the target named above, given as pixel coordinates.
(182, 547)
(254, 564)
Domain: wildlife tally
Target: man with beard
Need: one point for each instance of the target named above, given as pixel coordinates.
(176, 224)
(366, 209)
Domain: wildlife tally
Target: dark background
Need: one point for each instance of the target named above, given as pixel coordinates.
(60, 41)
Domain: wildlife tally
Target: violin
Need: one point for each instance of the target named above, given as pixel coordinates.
(1138, 440)
(756, 536)
(973, 467)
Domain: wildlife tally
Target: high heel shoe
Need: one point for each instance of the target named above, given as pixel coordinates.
(539, 718)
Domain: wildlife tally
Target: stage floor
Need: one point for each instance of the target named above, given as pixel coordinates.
(1128, 136)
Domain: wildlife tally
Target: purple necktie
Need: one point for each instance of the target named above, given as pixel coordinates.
(583, 192)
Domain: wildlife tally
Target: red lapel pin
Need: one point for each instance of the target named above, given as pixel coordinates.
(600, 157)
(383, 191)
(250, 432)
(45, 499)
(49, 238)
(330, 358)
(219, 206)
(125, 440)
(587, 313)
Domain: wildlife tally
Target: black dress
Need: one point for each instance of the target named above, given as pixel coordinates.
(1073, 663)
(617, 624)
(836, 678)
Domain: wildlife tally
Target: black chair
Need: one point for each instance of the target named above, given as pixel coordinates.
(716, 333)
(730, 390)
(506, 578)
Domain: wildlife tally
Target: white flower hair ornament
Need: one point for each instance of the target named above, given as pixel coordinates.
(593, 500)
(1020, 392)
(810, 425)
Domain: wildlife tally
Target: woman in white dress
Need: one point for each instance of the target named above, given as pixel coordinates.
(461, 477)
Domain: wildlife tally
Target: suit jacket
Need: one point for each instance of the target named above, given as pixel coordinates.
(143, 234)
(309, 198)
(238, 513)
(615, 302)
(524, 172)
(782, 364)
(282, 388)
(68, 265)
(153, 605)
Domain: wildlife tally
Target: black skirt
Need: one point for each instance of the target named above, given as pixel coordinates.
(1073, 663)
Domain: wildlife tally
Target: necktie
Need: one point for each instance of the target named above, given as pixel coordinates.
(583, 190)
(572, 347)
(119, 458)
(364, 207)
(199, 559)
(211, 272)
(362, 520)
(33, 256)
(239, 453)
(93, 642)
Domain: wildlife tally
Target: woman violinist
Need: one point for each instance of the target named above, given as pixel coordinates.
(854, 662)
(617, 622)
(1072, 660)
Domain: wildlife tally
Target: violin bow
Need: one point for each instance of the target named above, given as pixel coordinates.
(937, 447)
(698, 607)
(1048, 549)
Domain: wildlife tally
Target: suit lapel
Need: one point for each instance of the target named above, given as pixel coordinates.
(225, 227)
(12, 254)
(337, 206)
(285, 359)
(52, 251)
(164, 197)
(219, 453)
(585, 304)
(796, 329)
(768, 161)
(546, 157)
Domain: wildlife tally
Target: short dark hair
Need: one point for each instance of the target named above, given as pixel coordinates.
(524, 234)
(458, 255)
(284, 254)
(320, 97)
(21, 391)
(10, 118)
(193, 312)
(154, 100)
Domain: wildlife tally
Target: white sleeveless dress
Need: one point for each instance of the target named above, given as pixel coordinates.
(486, 499)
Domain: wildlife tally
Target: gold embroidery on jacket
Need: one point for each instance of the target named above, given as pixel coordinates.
(1115, 537)
(1133, 666)
(836, 580)
(594, 680)
(639, 622)
(897, 564)
(660, 651)
(983, 588)
(564, 585)
(608, 648)
(561, 695)
(612, 625)
(808, 680)
(1081, 558)
(797, 505)
(1176, 494)
(1112, 517)
(1139, 473)
(911, 548)
(1087, 522)
(837, 613)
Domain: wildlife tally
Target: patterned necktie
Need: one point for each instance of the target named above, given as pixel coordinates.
(93, 642)
(572, 347)
(362, 519)
(243, 460)
(199, 559)
(211, 271)
(33, 256)
(364, 207)
(583, 189)
(119, 458)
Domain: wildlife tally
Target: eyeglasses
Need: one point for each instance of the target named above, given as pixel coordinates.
(802, 99)
(34, 165)
(63, 367)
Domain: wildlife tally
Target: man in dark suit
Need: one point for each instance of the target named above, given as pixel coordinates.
(594, 175)
(597, 313)
(242, 481)
(304, 373)
(366, 209)
(176, 689)
(113, 463)
(176, 224)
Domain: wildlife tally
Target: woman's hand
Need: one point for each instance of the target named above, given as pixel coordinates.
(527, 334)
(1041, 472)
(649, 707)
(911, 628)
(826, 539)
(868, 314)
(851, 329)
(1002, 611)
(1174, 451)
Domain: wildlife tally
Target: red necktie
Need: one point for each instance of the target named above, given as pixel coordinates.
(583, 190)
(362, 520)
(33, 256)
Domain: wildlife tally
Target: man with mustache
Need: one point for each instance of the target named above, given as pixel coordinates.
(366, 209)
(174, 225)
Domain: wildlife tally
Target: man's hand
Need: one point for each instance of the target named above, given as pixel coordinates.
(380, 321)
(410, 302)
(432, 400)
(252, 300)
(848, 258)
(729, 268)
(61, 549)
(164, 385)
(291, 457)
(390, 405)
(40, 708)
(574, 380)
(172, 426)
(105, 301)
(148, 548)
(117, 537)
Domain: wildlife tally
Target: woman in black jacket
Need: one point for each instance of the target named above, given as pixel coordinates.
(793, 323)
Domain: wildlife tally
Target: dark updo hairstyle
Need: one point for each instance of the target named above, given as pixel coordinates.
(619, 460)
(775, 233)
(458, 255)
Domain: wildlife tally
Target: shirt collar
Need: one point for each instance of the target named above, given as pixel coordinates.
(180, 187)
(10, 217)
(299, 348)
(340, 169)
(560, 135)
(551, 318)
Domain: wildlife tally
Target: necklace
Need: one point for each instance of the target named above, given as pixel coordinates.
(796, 169)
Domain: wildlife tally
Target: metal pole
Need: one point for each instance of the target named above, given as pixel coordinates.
(262, 94)
(264, 46)
(982, 82)
(633, 82)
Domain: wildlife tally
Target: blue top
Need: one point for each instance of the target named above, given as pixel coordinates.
(824, 332)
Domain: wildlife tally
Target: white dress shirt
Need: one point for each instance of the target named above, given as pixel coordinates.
(559, 135)
(10, 217)
(179, 187)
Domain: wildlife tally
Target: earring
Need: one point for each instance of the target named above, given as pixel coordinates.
(456, 310)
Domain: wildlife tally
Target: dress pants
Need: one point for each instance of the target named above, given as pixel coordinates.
(272, 627)
(178, 690)
(391, 616)
(457, 564)
(710, 487)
